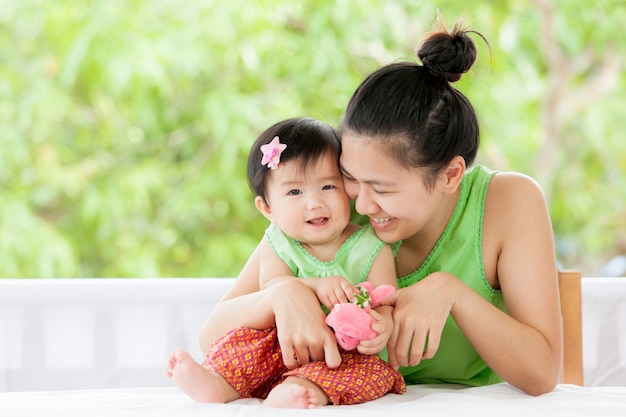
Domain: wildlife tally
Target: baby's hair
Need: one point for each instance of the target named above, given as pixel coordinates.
(414, 110)
(307, 140)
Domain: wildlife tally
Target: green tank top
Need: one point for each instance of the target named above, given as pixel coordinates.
(352, 261)
(459, 252)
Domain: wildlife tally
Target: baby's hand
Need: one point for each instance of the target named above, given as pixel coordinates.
(383, 325)
(333, 290)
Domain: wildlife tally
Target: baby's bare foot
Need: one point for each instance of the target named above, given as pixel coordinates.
(289, 395)
(200, 384)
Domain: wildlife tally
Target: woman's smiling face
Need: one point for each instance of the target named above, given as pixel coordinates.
(395, 198)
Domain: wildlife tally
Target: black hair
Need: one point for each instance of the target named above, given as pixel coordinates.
(306, 139)
(414, 110)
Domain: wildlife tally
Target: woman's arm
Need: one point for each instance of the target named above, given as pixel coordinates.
(523, 347)
(294, 308)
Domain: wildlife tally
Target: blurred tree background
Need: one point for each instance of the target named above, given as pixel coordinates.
(125, 125)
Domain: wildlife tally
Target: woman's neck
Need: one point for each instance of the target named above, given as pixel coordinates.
(415, 249)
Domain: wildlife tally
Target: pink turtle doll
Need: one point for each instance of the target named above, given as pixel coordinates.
(350, 321)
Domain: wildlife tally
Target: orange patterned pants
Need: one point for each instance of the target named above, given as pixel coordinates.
(251, 361)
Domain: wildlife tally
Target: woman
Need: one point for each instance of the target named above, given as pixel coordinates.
(476, 263)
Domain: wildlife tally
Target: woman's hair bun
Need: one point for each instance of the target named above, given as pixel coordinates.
(448, 53)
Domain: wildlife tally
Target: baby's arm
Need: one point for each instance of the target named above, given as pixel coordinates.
(382, 273)
(272, 269)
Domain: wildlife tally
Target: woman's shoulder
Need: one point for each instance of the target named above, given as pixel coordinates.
(513, 197)
(514, 185)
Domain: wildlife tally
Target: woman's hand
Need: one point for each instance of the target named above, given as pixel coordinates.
(302, 333)
(383, 325)
(420, 312)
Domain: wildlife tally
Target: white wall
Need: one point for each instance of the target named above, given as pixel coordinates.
(105, 333)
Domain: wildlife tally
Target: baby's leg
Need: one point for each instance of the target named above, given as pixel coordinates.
(200, 384)
(296, 392)
(359, 378)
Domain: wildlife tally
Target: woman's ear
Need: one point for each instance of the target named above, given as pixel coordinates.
(453, 174)
(262, 206)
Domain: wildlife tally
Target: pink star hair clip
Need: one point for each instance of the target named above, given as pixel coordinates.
(271, 153)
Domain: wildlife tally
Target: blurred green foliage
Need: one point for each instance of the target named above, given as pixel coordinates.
(125, 125)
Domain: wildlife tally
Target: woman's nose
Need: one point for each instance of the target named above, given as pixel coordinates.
(363, 203)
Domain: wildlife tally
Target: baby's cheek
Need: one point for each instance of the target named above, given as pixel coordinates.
(351, 188)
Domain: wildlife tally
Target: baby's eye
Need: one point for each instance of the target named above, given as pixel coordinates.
(328, 187)
(294, 192)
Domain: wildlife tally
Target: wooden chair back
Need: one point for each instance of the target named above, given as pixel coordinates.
(570, 294)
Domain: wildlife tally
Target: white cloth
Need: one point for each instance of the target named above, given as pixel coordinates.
(98, 333)
(442, 401)
(604, 331)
